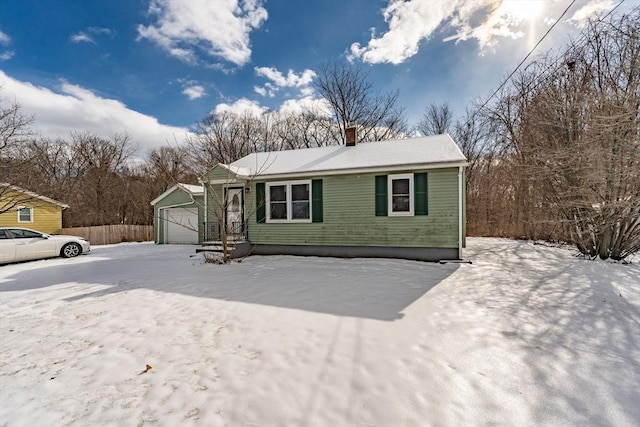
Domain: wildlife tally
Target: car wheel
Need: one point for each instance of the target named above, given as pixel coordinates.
(70, 250)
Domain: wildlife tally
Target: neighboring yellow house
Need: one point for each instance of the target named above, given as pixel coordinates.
(23, 208)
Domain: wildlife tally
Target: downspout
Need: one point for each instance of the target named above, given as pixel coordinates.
(206, 216)
(460, 206)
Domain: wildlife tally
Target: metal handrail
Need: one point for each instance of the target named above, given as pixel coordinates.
(234, 229)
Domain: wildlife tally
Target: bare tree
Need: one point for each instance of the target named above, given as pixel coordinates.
(353, 99)
(167, 165)
(15, 130)
(567, 131)
(306, 129)
(103, 187)
(15, 126)
(436, 120)
(222, 138)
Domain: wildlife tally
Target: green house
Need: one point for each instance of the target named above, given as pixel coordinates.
(391, 199)
(178, 215)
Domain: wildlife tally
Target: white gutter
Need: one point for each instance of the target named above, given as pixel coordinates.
(353, 171)
(460, 207)
(204, 190)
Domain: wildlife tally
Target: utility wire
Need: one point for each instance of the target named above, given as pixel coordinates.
(576, 45)
(521, 62)
(530, 53)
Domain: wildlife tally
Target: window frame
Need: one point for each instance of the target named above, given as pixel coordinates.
(21, 208)
(289, 201)
(400, 176)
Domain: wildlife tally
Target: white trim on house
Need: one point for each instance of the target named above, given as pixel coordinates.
(226, 181)
(32, 194)
(402, 168)
(192, 190)
(164, 220)
(460, 207)
(30, 220)
(390, 179)
(289, 201)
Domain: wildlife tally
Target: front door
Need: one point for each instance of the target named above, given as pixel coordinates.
(234, 212)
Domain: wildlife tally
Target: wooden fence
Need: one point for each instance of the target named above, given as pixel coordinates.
(108, 234)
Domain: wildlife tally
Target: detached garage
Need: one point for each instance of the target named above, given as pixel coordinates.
(176, 213)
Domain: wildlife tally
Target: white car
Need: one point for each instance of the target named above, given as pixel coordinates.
(22, 244)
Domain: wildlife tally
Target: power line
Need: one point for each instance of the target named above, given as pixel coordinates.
(576, 45)
(521, 62)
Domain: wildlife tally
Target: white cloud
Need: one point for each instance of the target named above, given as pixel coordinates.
(412, 21)
(291, 80)
(279, 80)
(85, 37)
(306, 104)
(218, 28)
(291, 106)
(260, 90)
(194, 91)
(73, 108)
(101, 31)
(240, 107)
(589, 10)
(409, 23)
(82, 38)
(4, 39)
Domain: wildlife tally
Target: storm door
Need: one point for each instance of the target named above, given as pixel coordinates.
(234, 212)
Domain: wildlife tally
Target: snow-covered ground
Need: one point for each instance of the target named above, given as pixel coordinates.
(526, 335)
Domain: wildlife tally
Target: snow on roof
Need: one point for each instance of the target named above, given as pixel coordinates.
(34, 195)
(193, 190)
(416, 152)
(242, 171)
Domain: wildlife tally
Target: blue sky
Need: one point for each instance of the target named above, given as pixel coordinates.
(154, 67)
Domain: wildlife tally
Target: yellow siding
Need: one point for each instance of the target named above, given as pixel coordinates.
(47, 217)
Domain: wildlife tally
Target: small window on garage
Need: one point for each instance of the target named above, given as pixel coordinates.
(25, 214)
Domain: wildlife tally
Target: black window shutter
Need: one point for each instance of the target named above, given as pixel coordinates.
(381, 195)
(316, 201)
(420, 197)
(261, 203)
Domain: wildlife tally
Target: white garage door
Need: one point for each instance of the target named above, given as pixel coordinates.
(181, 225)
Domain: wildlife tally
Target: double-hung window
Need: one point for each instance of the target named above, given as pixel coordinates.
(278, 202)
(400, 188)
(25, 214)
(289, 201)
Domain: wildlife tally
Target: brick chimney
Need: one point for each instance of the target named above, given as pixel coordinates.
(351, 135)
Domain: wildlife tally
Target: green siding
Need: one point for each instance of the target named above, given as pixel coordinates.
(215, 194)
(215, 202)
(219, 173)
(182, 199)
(349, 215)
